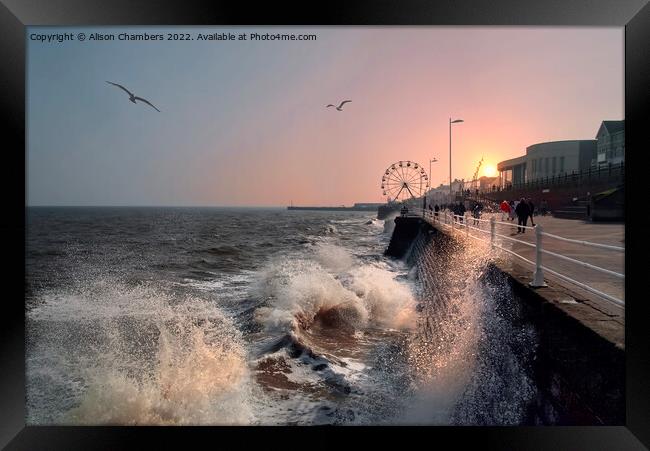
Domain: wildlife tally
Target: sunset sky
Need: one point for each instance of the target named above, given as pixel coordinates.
(245, 123)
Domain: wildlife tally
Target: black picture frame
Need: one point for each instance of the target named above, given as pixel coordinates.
(15, 15)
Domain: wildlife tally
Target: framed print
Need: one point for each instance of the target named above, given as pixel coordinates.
(416, 216)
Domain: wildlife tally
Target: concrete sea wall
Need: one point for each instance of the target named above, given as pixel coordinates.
(571, 374)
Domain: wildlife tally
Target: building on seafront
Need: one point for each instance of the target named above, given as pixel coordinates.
(554, 159)
(486, 183)
(549, 159)
(610, 148)
(440, 194)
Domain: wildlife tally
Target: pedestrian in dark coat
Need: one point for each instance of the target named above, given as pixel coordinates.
(523, 211)
(476, 213)
(543, 207)
(531, 208)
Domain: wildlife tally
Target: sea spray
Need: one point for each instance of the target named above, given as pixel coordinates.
(334, 328)
(364, 294)
(463, 351)
(389, 224)
(283, 321)
(333, 258)
(142, 356)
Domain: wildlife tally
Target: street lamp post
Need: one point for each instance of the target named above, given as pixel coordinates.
(451, 122)
(431, 161)
(429, 190)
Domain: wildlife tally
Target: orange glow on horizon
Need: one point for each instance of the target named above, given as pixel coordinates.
(262, 135)
(490, 170)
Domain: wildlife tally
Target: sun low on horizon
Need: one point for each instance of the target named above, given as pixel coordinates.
(490, 170)
(248, 122)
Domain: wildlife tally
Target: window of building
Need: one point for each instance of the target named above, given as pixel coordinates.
(553, 165)
(561, 165)
(546, 165)
(507, 177)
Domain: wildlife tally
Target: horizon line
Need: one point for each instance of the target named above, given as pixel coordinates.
(152, 206)
(190, 206)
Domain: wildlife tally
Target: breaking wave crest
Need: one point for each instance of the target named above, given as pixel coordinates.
(330, 286)
(141, 356)
(332, 323)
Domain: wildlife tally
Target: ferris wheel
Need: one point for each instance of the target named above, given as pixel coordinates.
(404, 180)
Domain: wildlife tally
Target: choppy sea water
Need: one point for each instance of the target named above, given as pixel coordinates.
(261, 316)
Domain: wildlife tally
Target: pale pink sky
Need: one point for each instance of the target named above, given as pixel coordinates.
(249, 125)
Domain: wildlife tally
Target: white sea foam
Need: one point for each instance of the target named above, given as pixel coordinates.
(333, 258)
(110, 353)
(331, 278)
(389, 224)
(142, 357)
(299, 289)
(388, 302)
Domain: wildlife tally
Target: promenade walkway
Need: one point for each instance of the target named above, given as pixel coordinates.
(602, 233)
(605, 317)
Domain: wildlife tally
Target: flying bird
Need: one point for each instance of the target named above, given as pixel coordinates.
(340, 106)
(133, 97)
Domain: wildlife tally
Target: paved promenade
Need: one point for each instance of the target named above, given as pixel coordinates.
(603, 316)
(602, 233)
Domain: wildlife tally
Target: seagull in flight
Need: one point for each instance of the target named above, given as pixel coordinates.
(133, 97)
(340, 106)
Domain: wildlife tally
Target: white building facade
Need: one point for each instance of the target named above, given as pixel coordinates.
(548, 160)
(611, 143)
(554, 159)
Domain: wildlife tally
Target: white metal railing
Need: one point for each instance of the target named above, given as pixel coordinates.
(457, 222)
(586, 243)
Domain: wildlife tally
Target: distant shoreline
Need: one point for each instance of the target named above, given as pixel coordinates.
(373, 209)
(233, 207)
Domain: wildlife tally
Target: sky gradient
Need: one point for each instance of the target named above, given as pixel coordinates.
(245, 123)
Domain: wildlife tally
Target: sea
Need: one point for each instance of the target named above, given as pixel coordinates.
(262, 316)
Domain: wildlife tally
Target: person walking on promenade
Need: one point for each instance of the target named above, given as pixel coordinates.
(512, 210)
(505, 210)
(461, 211)
(523, 211)
(531, 208)
(543, 207)
(477, 214)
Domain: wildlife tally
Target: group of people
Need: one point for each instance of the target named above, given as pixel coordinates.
(455, 208)
(459, 210)
(522, 209)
